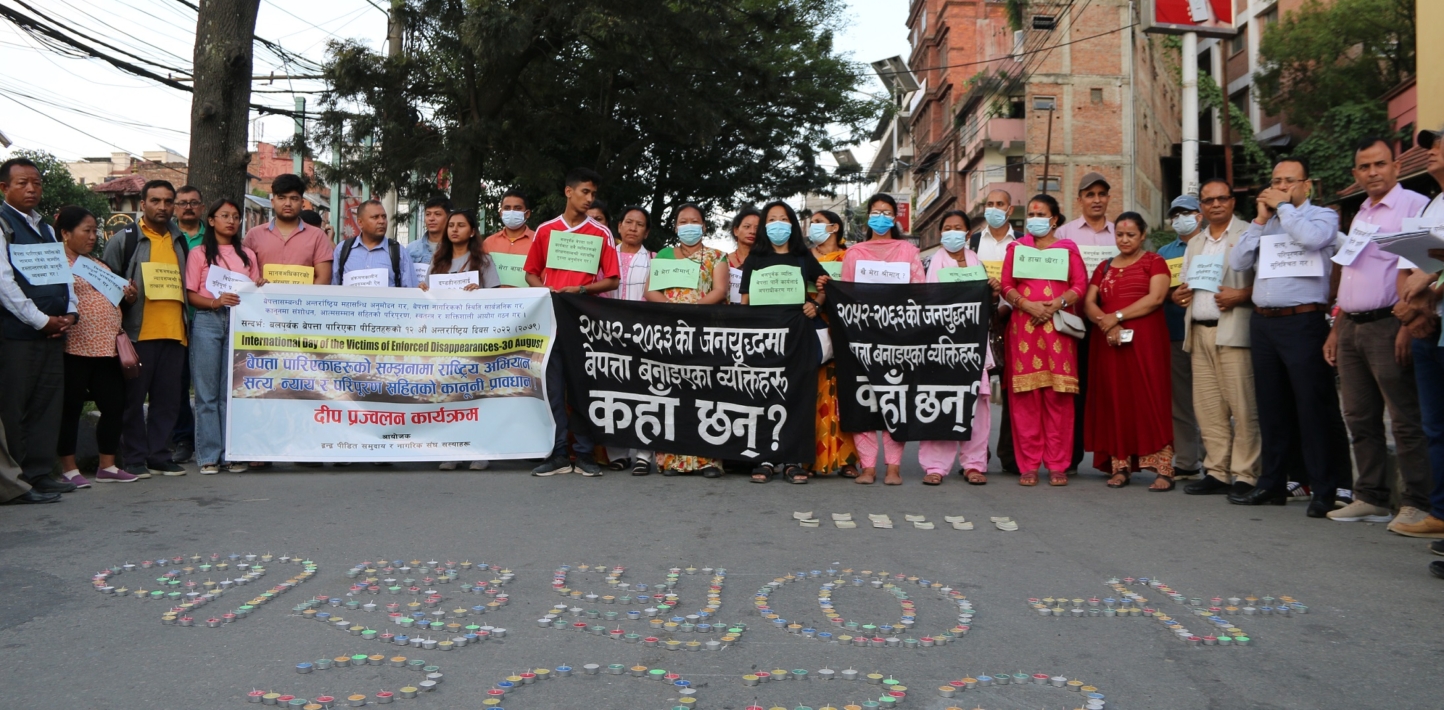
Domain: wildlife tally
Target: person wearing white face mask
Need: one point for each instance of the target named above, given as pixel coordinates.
(936, 457)
(1185, 218)
(515, 236)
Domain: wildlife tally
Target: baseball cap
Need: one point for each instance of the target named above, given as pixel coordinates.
(1091, 179)
(1426, 139)
(1183, 203)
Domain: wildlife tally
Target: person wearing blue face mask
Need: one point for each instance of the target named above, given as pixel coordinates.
(1187, 222)
(990, 243)
(785, 246)
(835, 452)
(936, 457)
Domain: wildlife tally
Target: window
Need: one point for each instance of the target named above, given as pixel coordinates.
(1095, 95)
(1240, 101)
(1018, 37)
(1044, 103)
(1053, 184)
(1013, 168)
(1015, 107)
(1238, 42)
(1044, 22)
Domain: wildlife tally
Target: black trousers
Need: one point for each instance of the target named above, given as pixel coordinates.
(32, 378)
(145, 436)
(92, 379)
(1298, 406)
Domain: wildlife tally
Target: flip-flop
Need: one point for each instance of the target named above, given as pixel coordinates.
(1162, 477)
(933, 479)
(848, 471)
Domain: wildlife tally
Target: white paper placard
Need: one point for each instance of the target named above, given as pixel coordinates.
(881, 272)
(219, 281)
(41, 264)
(1280, 257)
(1359, 236)
(369, 278)
(454, 282)
(421, 270)
(1205, 272)
(734, 293)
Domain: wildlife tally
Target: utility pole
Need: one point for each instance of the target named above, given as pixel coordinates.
(1189, 109)
(1227, 110)
(336, 203)
(1048, 147)
(395, 35)
(297, 160)
(220, 106)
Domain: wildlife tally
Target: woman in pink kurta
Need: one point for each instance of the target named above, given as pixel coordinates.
(936, 457)
(1042, 363)
(885, 244)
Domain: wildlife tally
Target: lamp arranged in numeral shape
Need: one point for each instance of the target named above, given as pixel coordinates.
(856, 633)
(657, 604)
(186, 585)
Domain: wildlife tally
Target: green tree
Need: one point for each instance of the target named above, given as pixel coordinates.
(713, 101)
(1330, 147)
(60, 189)
(1323, 56)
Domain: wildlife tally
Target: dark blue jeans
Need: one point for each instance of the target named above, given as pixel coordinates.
(1429, 376)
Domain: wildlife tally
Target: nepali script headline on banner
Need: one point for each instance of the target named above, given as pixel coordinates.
(327, 373)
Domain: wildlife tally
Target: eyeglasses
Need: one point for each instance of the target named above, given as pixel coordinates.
(1285, 181)
(189, 203)
(1217, 200)
(880, 213)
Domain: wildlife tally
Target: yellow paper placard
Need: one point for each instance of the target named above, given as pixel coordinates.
(162, 282)
(288, 274)
(1175, 270)
(994, 269)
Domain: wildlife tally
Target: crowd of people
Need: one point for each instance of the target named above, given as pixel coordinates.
(1264, 385)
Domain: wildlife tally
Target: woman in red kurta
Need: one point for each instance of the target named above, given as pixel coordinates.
(1129, 424)
(1042, 362)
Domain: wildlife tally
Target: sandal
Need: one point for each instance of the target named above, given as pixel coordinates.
(1114, 482)
(822, 473)
(976, 478)
(711, 472)
(933, 479)
(1058, 478)
(848, 471)
(868, 477)
(1161, 477)
(1028, 479)
(893, 477)
(764, 474)
(642, 467)
(795, 474)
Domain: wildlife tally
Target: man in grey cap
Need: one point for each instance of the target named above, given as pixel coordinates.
(1187, 222)
(1092, 228)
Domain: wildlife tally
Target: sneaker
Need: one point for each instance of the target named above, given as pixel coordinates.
(165, 468)
(589, 466)
(1407, 517)
(210, 469)
(1343, 496)
(1299, 490)
(447, 466)
(74, 478)
(183, 452)
(239, 467)
(479, 465)
(115, 475)
(1437, 547)
(1436, 568)
(137, 471)
(556, 463)
(1430, 526)
(1361, 512)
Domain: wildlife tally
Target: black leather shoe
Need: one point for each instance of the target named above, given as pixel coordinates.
(1208, 486)
(33, 496)
(1240, 488)
(1320, 506)
(1436, 568)
(50, 485)
(1259, 496)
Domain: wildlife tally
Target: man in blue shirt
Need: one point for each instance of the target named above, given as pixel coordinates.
(1187, 444)
(372, 250)
(1298, 407)
(433, 224)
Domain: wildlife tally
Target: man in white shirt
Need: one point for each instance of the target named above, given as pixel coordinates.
(991, 245)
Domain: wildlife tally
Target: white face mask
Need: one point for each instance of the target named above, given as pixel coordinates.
(513, 218)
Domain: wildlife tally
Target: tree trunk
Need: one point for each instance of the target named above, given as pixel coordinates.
(220, 105)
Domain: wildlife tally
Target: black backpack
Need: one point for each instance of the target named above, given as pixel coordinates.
(394, 247)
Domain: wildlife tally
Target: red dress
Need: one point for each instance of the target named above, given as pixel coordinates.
(1130, 387)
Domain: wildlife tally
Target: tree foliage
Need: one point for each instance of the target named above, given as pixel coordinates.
(1330, 148)
(59, 188)
(714, 101)
(1327, 55)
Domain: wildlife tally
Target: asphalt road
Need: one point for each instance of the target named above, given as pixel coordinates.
(1371, 637)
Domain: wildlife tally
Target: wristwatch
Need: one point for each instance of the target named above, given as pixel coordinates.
(1119, 316)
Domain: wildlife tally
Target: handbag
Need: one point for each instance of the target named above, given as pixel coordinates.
(129, 360)
(1069, 324)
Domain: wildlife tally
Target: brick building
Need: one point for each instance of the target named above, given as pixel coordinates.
(994, 87)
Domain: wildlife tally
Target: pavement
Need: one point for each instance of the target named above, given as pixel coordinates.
(1371, 637)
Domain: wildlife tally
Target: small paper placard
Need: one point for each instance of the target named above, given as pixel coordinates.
(734, 289)
(369, 278)
(881, 272)
(1045, 264)
(453, 282)
(162, 282)
(1093, 256)
(994, 269)
(422, 271)
(674, 273)
(219, 281)
(509, 268)
(1205, 273)
(955, 274)
(1359, 236)
(1175, 271)
(41, 264)
(779, 285)
(289, 274)
(1280, 257)
(104, 280)
(833, 269)
(569, 251)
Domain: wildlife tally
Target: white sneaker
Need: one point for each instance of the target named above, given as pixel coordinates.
(1361, 512)
(479, 465)
(238, 467)
(210, 469)
(447, 466)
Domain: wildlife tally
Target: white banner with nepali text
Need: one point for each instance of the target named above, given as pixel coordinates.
(330, 373)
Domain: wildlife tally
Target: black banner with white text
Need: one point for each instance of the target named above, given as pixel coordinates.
(910, 357)
(730, 382)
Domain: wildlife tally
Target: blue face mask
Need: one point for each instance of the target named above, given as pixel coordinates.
(1039, 226)
(689, 234)
(995, 217)
(779, 232)
(817, 233)
(954, 240)
(880, 223)
(1185, 224)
